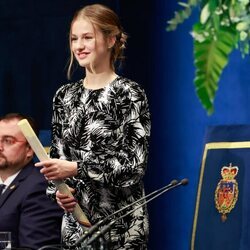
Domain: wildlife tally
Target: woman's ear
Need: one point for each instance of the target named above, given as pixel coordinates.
(111, 41)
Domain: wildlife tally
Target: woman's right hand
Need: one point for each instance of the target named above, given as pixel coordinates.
(66, 202)
(57, 169)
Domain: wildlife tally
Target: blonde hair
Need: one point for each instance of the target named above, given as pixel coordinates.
(108, 23)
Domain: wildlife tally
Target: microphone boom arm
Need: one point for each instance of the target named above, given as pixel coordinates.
(95, 227)
(159, 192)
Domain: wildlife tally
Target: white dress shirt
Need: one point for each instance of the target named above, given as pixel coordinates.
(8, 181)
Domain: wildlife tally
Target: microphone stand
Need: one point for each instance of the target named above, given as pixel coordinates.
(107, 227)
(95, 227)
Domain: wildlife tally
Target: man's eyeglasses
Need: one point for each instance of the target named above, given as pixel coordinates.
(7, 141)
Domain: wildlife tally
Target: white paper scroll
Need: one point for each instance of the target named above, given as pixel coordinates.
(42, 156)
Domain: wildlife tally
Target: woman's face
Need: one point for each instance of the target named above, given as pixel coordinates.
(88, 44)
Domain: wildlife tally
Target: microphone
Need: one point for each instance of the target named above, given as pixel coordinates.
(159, 192)
(95, 227)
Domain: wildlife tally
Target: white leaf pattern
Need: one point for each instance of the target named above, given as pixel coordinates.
(106, 131)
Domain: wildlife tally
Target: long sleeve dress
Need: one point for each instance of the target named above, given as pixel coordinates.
(106, 131)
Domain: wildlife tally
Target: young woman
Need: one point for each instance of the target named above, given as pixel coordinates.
(100, 127)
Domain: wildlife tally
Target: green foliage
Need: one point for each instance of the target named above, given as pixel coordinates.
(224, 25)
(181, 15)
(211, 57)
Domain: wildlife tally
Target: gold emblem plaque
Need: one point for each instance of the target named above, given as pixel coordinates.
(226, 193)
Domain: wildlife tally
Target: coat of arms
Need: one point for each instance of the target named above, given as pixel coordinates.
(226, 193)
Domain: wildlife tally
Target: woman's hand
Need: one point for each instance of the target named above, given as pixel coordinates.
(65, 202)
(56, 169)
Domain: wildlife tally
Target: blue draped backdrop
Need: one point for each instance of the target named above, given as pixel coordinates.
(33, 55)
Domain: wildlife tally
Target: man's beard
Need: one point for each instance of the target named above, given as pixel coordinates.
(3, 162)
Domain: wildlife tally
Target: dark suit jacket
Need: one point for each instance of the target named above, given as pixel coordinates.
(25, 210)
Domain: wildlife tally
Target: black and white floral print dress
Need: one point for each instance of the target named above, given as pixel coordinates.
(106, 132)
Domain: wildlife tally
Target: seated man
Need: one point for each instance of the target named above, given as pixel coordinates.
(25, 210)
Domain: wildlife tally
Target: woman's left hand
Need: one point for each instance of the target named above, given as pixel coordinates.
(56, 169)
(66, 202)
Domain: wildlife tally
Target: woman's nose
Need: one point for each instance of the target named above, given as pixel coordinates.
(80, 44)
